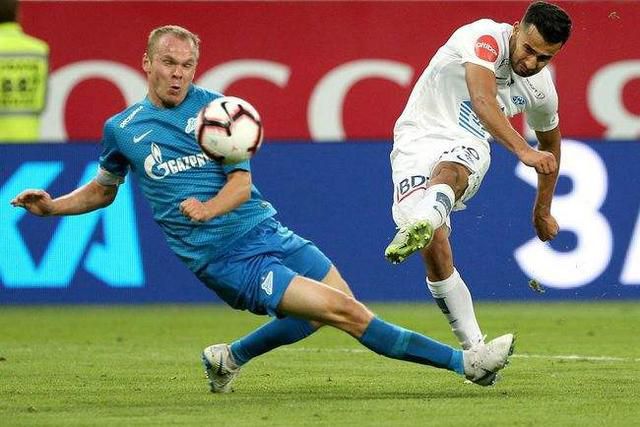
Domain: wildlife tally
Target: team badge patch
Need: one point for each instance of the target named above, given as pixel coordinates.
(518, 100)
(487, 48)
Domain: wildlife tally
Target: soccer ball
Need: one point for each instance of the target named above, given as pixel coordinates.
(229, 130)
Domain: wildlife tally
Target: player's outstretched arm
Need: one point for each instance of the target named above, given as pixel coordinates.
(483, 91)
(235, 192)
(545, 224)
(84, 199)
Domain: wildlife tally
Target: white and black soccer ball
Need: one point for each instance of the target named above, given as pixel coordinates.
(229, 130)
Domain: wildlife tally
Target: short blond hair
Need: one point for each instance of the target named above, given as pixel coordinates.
(180, 32)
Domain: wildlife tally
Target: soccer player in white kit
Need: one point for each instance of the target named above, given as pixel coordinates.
(485, 72)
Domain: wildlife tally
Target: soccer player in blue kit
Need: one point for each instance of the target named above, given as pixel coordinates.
(218, 224)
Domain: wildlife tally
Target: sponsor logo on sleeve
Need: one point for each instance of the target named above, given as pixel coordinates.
(536, 92)
(130, 117)
(487, 48)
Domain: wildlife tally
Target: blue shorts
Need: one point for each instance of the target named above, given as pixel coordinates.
(256, 271)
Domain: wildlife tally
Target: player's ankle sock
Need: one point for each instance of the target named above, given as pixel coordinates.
(274, 334)
(398, 343)
(436, 205)
(454, 299)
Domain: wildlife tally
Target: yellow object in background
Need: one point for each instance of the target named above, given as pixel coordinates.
(24, 69)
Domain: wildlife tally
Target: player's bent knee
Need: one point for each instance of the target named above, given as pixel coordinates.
(321, 303)
(453, 174)
(350, 315)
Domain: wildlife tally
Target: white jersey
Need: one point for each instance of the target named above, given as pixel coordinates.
(440, 106)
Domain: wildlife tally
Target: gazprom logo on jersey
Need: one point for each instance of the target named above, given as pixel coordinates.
(157, 168)
(103, 243)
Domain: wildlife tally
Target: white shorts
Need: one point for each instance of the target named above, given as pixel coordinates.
(415, 156)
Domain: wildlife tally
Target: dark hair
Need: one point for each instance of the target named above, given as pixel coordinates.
(553, 23)
(8, 10)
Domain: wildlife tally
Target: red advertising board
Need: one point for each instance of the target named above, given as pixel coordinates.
(321, 70)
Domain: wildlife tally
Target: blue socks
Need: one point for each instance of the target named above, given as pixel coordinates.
(383, 338)
(274, 334)
(399, 343)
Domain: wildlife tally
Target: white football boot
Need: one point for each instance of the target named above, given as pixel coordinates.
(483, 361)
(220, 368)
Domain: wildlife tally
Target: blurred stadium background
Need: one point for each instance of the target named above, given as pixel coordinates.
(321, 72)
(329, 78)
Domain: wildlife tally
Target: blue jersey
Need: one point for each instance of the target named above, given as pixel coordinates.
(159, 147)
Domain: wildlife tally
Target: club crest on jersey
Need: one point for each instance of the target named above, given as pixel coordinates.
(157, 168)
(518, 100)
(487, 48)
(191, 125)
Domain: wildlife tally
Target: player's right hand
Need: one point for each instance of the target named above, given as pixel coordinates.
(195, 210)
(38, 202)
(543, 162)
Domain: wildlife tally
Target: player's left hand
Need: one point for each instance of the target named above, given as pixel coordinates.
(195, 210)
(546, 226)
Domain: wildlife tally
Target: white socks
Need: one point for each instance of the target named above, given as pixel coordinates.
(454, 299)
(451, 294)
(436, 205)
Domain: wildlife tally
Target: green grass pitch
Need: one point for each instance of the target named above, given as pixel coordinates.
(575, 364)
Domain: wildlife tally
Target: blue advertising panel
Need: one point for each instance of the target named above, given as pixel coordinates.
(339, 196)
